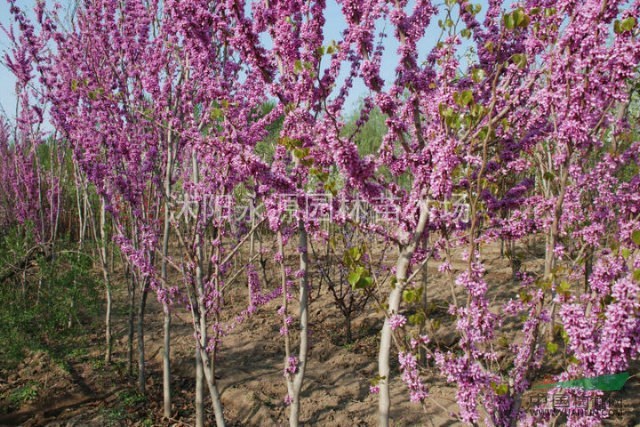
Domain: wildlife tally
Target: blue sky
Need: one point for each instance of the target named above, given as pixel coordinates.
(333, 29)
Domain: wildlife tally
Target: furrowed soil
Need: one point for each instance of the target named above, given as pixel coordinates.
(73, 386)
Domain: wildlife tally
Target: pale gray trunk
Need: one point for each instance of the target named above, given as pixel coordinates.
(209, 375)
(199, 402)
(107, 281)
(204, 366)
(294, 415)
(552, 239)
(424, 302)
(384, 401)
(141, 363)
(166, 330)
(395, 296)
(131, 323)
(166, 362)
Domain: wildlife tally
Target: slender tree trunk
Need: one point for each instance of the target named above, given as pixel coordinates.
(166, 330)
(166, 362)
(205, 371)
(424, 302)
(294, 415)
(384, 402)
(209, 374)
(395, 296)
(252, 247)
(204, 366)
(131, 283)
(588, 268)
(552, 239)
(82, 220)
(199, 402)
(347, 325)
(107, 281)
(141, 362)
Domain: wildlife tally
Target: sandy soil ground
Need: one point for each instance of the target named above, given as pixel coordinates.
(79, 390)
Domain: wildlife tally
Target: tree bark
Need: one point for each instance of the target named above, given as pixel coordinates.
(107, 281)
(166, 330)
(294, 414)
(141, 362)
(395, 296)
(131, 288)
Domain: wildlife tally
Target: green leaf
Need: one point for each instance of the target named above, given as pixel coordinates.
(525, 296)
(636, 275)
(354, 253)
(500, 389)
(478, 75)
(466, 97)
(544, 284)
(409, 296)
(331, 187)
(520, 18)
(445, 111)
(628, 24)
(508, 21)
(608, 299)
(520, 59)
(354, 277)
(297, 66)
(635, 236)
(74, 85)
(453, 122)
(552, 347)
(417, 319)
(301, 153)
(490, 46)
(320, 175)
(216, 114)
(364, 282)
(288, 143)
(478, 111)
(466, 33)
(564, 287)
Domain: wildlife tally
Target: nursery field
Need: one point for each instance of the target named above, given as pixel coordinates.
(70, 385)
(320, 212)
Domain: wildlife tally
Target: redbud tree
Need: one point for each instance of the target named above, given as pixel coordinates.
(513, 126)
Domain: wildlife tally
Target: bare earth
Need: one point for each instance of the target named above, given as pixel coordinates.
(79, 390)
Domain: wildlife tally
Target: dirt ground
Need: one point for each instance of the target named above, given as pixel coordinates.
(80, 390)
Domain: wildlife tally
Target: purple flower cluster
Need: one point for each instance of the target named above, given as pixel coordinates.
(411, 377)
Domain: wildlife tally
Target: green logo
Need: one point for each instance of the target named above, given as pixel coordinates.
(613, 382)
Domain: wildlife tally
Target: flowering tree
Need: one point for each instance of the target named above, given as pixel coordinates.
(514, 126)
(541, 79)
